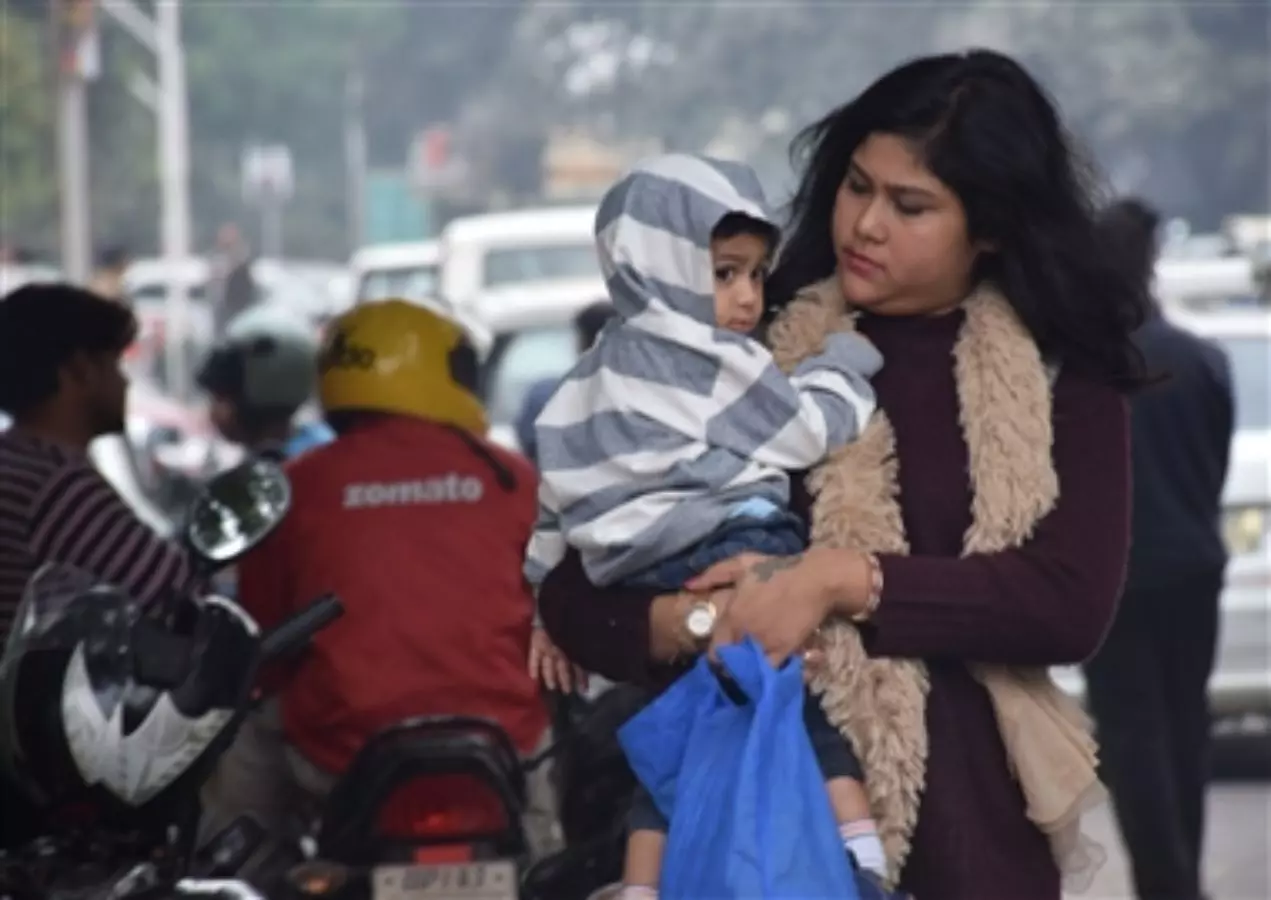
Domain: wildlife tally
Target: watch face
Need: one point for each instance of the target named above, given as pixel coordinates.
(701, 621)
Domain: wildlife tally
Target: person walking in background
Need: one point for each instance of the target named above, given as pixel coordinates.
(13, 254)
(587, 325)
(108, 280)
(233, 289)
(1147, 685)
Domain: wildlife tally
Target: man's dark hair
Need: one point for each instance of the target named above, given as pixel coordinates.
(591, 320)
(42, 326)
(1128, 229)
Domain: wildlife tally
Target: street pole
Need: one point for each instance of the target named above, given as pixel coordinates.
(76, 63)
(174, 161)
(174, 164)
(73, 148)
(162, 37)
(355, 157)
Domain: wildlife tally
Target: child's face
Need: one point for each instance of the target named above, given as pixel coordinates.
(740, 264)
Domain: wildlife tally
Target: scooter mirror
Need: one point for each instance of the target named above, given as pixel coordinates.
(236, 510)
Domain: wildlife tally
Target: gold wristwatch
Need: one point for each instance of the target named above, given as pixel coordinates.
(700, 620)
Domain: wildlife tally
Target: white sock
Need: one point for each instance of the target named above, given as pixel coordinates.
(860, 837)
(636, 892)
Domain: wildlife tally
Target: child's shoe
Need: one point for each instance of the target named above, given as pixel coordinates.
(869, 884)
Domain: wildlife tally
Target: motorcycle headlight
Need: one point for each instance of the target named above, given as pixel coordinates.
(1246, 529)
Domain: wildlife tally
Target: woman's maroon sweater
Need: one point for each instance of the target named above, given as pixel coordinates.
(1046, 603)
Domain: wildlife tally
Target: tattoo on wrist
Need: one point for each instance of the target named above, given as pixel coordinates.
(766, 568)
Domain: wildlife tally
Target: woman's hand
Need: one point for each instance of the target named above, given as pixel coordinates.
(551, 668)
(778, 600)
(669, 640)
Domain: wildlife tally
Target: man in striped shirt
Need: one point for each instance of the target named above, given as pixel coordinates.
(61, 382)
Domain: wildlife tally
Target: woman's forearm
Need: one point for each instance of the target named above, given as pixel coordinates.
(605, 631)
(1012, 608)
(1041, 604)
(623, 635)
(1016, 607)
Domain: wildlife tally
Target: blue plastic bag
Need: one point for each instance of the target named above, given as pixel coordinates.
(739, 783)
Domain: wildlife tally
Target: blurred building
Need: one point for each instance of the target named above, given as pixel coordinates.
(577, 167)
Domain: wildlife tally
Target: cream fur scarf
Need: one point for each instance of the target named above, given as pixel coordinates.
(1004, 389)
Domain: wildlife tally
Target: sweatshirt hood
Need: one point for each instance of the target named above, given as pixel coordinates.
(653, 231)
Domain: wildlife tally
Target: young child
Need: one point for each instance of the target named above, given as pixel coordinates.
(666, 448)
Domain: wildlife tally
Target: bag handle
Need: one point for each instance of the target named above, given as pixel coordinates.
(727, 683)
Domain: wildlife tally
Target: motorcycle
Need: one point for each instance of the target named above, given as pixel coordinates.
(432, 807)
(149, 699)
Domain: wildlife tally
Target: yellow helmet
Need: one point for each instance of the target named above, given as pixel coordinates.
(392, 356)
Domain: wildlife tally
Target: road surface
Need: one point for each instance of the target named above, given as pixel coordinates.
(1236, 862)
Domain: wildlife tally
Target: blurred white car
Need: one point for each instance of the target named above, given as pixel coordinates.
(1240, 689)
(1205, 284)
(13, 276)
(331, 282)
(517, 247)
(146, 282)
(533, 339)
(306, 288)
(410, 270)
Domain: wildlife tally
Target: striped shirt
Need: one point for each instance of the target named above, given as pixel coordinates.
(669, 425)
(56, 507)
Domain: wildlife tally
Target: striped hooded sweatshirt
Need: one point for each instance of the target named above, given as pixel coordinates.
(669, 426)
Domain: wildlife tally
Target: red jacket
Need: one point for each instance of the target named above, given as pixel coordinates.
(413, 530)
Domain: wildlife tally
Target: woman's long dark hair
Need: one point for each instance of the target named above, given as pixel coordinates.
(988, 131)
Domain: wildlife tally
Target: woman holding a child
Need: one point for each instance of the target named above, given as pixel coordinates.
(976, 531)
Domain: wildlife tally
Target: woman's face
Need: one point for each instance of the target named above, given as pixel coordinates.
(899, 234)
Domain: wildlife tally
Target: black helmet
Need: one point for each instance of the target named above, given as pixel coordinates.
(105, 709)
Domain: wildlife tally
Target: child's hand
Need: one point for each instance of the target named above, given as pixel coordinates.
(814, 661)
(814, 665)
(551, 668)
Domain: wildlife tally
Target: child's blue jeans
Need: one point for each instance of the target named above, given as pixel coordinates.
(783, 534)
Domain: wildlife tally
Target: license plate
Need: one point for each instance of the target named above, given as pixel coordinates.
(446, 881)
